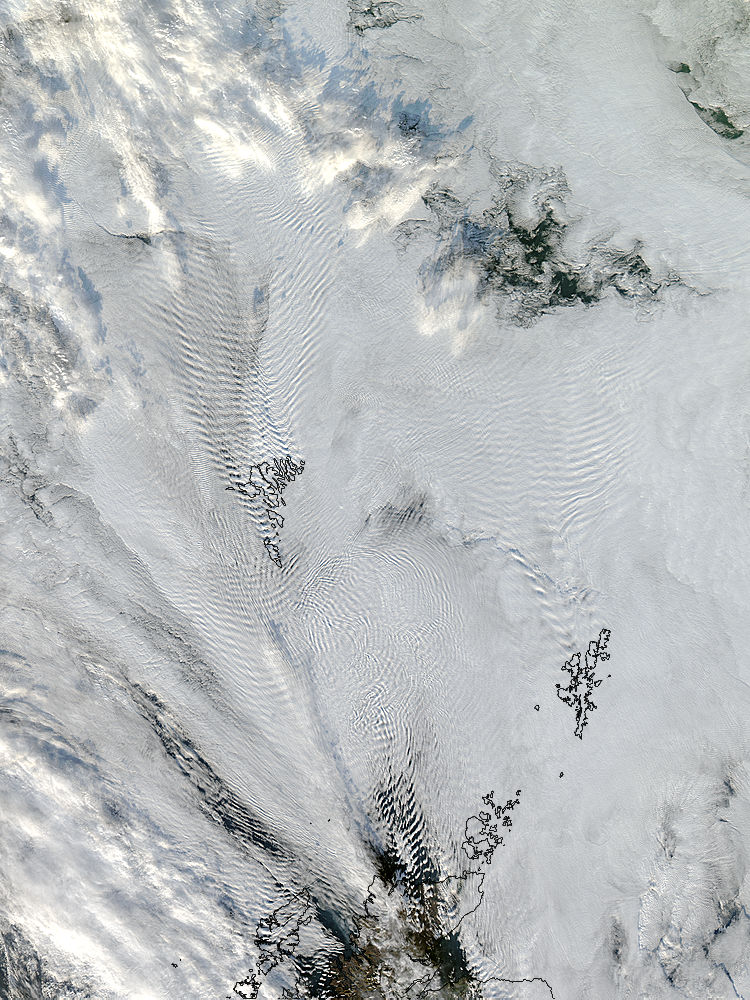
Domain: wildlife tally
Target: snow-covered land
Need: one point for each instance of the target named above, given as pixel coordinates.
(362, 365)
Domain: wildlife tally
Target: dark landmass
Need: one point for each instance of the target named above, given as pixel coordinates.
(520, 258)
(367, 14)
(714, 116)
(717, 119)
(404, 944)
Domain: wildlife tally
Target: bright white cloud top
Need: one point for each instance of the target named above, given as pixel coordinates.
(481, 271)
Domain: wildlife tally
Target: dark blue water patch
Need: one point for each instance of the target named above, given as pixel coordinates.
(12, 655)
(728, 912)
(339, 927)
(104, 365)
(676, 957)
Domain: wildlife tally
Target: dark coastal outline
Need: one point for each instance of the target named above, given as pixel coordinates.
(267, 481)
(277, 935)
(578, 692)
(364, 15)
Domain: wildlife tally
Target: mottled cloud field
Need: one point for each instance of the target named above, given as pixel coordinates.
(361, 366)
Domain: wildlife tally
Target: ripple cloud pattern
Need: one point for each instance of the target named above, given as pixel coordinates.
(374, 432)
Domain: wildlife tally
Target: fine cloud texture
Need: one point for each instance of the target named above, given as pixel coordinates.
(375, 500)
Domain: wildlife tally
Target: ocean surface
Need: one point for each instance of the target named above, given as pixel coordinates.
(374, 465)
